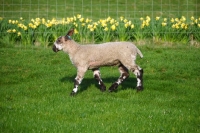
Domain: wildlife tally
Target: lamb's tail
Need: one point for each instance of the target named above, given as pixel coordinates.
(140, 53)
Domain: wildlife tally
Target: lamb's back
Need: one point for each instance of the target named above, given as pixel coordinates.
(105, 54)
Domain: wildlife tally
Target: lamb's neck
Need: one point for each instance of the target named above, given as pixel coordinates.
(71, 47)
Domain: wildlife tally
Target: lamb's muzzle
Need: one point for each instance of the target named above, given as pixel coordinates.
(54, 48)
(92, 57)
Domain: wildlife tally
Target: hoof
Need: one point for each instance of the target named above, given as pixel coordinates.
(139, 88)
(72, 93)
(113, 87)
(103, 88)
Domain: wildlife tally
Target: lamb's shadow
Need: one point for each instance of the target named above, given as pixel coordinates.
(87, 82)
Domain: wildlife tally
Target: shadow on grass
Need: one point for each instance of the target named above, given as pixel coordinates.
(88, 82)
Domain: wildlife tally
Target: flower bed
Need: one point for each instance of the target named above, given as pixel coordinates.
(40, 31)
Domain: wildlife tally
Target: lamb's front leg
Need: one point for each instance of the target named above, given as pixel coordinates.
(97, 76)
(77, 81)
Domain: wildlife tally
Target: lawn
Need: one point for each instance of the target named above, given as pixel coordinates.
(36, 83)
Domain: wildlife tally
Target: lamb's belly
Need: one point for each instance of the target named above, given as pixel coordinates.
(97, 64)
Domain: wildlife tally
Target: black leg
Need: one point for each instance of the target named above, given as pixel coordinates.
(124, 75)
(140, 80)
(97, 76)
(139, 75)
(78, 80)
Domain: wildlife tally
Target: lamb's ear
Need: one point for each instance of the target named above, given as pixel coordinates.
(70, 32)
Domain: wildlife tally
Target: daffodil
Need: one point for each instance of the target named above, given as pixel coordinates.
(9, 31)
(146, 23)
(106, 29)
(43, 21)
(83, 24)
(89, 26)
(196, 21)
(13, 30)
(88, 20)
(142, 26)
(125, 20)
(172, 20)
(165, 19)
(81, 20)
(112, 21)
(19, 34)
(13, 22)
(103, 24)
(164, 24)
(176, 19)
(126, 25)
(47, 25)
(173, 26)
(76, 31)
(183, 25)
(78, 16)
(75, 24)
(121, 18)
(132, 26)
(183, 19)
(32, 20)
(74, 18)
(113, 27)
(25, 28)
(157, 18)
(176, 26)
(108, 19)
(148, 18)
(91, 29)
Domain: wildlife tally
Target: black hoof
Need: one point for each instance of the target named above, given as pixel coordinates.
(72, 93)
(113, 87)
(103, 88)
(139, 88)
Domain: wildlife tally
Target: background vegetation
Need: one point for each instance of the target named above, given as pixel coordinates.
(35, 83)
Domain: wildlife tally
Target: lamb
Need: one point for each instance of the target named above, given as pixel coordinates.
(94, 56)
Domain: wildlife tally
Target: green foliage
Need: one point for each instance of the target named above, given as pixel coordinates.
(36, 83)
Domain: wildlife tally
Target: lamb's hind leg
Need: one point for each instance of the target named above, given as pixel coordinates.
(97, 76)
(124, 75)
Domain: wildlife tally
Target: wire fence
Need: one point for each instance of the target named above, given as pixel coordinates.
(130, 9)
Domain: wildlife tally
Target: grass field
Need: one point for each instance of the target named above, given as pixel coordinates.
(36, 83)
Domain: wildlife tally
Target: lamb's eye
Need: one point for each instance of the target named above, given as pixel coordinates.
(58, 41)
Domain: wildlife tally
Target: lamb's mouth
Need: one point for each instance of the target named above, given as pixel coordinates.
(55, 49)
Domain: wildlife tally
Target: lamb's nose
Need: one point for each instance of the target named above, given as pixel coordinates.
(54, 48)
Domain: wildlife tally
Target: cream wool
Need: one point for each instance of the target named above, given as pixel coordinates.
(93, 56)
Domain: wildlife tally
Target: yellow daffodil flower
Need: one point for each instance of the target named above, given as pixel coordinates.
(157, 18)
(113, 27)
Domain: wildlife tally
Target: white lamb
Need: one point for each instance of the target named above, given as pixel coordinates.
(92, 57)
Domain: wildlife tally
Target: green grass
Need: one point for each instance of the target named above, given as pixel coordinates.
(35, 84)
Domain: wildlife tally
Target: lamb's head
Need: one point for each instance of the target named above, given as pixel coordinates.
(62, 40)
